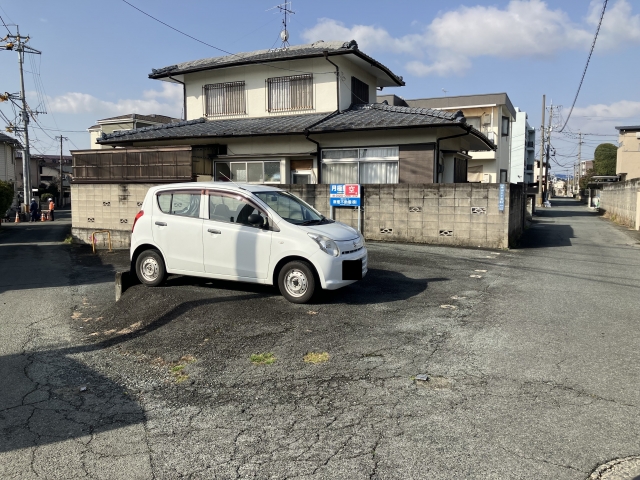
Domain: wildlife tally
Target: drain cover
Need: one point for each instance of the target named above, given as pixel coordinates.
(619, 469)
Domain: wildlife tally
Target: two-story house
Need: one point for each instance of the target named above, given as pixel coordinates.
(306, 114)
(628, 159)
(492, 114)
(130, 121)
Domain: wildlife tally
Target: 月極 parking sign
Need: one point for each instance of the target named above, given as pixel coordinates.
(344, 195)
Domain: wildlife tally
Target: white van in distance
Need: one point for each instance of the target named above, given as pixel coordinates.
(247, 233)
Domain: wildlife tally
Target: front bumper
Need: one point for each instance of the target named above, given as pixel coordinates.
(330, 268)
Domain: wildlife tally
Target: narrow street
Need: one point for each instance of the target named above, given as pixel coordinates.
(532, 354)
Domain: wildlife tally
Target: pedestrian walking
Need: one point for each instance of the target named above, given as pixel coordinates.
(51, 209)
(33, 208)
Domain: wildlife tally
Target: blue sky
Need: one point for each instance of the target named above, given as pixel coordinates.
(97, 55)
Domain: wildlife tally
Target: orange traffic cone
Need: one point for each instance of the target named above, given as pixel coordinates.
(43, 217)
(17, 220)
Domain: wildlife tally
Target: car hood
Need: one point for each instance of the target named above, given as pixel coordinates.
(335, 231)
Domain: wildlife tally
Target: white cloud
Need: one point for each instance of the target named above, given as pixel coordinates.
(603, 118)
(167, 101)
(524, 28)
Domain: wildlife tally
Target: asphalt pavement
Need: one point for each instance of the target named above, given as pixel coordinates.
(531, 356)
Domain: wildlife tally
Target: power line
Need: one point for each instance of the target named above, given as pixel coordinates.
(593, 45)
(213, 46)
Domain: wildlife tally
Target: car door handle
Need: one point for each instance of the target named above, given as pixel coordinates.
(162, 224)
(213, 230)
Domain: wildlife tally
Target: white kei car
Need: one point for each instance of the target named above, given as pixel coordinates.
(247, 233)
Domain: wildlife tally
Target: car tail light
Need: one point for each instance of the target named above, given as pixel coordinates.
(140, 213)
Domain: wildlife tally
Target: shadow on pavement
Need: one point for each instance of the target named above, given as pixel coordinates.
(48, 397)
(378, 286)
(44, 399)
(546, 235)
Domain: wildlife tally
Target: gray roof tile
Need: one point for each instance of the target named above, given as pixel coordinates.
(273, 55)
(358, 117)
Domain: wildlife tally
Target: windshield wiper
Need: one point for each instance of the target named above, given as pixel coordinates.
(312, 222)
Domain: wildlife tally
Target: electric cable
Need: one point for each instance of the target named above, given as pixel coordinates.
(593, 45)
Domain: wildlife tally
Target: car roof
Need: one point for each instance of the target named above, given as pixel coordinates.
(229, 186)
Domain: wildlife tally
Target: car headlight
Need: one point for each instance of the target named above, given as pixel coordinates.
(327, 245)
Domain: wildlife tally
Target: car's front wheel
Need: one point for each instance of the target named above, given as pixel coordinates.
(297, 282)
(150, 268)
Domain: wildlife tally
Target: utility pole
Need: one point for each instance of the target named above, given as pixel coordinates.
(548, 168)
(61, 194)
(540, 199)
(19, 44)
(579, 156)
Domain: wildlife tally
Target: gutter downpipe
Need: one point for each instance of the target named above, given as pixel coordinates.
(326, 57)
(184, 96)
(318, 153)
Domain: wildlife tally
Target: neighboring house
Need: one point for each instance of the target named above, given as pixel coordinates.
(8, 148)
(304, 114)
(523, 147)
(46, 169)
(491, 114)
(585, 166)
(628, 160)
(130, 121)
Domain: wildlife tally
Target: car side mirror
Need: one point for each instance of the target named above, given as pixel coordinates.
(256, 220)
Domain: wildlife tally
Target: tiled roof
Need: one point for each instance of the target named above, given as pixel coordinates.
(316, 49)
(10, 140)
(234, 127)
(378, 115)
(358, 117)
(136, 116)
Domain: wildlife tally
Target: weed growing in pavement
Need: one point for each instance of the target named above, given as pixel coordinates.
(316, 357)
(176, 369)
(262, 358)
(68, 239)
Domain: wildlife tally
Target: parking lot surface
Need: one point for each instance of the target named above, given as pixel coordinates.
(441, 363)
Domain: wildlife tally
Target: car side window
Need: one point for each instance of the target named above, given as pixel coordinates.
(231, 208)
(185, 204)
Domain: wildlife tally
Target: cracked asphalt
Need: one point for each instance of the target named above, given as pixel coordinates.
(532, 357)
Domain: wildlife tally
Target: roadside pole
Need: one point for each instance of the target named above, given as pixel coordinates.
(540, 200)
(548, 166)
(20, 45)
(60, 192)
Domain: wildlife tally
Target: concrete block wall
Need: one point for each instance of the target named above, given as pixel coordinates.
(110, 207)
(463, 214)
(620, 201)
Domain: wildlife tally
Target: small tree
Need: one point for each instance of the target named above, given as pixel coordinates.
(604, 159)
(6, 197)
(586, 179)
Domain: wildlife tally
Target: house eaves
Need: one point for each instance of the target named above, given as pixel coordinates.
(367, 117)
(297, 52)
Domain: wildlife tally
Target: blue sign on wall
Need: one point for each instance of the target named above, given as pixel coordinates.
(503, 188)
(344, 195)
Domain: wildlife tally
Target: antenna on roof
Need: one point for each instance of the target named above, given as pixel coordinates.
(445, 92)
(285, 9)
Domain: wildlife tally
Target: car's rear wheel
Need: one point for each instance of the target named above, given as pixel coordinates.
(150, 268)
(297, 282)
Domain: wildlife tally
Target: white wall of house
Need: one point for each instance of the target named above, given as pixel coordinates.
(255, 76)
(488, 119)
(7, 163)
(519, 137)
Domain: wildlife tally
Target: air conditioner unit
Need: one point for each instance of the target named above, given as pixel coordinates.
(486, 119)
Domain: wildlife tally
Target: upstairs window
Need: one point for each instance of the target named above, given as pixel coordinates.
(290, 93)
(224, 99)
(505, 126)
(359, 91)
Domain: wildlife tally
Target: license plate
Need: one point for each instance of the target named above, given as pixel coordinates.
(352, 269)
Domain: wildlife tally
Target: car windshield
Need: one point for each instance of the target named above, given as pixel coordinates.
(292, 209)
